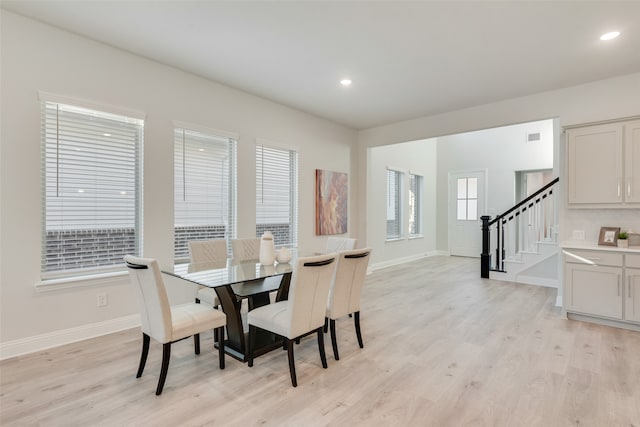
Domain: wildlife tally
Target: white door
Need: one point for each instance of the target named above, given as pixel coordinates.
(466, 205)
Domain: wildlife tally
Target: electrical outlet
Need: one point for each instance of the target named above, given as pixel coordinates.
(101, 300)
(578, 234)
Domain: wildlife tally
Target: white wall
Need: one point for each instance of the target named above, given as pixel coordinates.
(501, 151)
(37, 57)
(417, 157)
(602, 100)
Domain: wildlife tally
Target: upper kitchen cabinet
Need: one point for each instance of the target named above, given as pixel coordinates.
(632, 161)
(603, 165)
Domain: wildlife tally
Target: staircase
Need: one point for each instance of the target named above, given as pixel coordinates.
(521, 244)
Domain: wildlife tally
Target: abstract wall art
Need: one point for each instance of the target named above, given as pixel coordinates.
(332, 190)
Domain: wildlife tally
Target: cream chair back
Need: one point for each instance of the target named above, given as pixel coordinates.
(346, 291)
(155, 311)
(309, 292)
(337, 244)
(246, 249)
(213, 252)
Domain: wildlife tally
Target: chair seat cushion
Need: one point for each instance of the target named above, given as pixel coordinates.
(190, 319)
(208, 296)
(272, 317)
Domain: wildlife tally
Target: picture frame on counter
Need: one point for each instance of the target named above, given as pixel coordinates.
(608, 236)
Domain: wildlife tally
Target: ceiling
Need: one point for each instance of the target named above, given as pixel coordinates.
(406, 59)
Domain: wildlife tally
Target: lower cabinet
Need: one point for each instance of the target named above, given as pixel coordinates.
(602, 284)
(594, 290)
(632, 301)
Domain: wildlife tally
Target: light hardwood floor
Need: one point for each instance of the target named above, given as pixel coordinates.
(442, 348)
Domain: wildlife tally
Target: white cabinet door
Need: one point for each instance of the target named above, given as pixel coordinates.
(594, 290)
(595, 174)
(632, 301)
(632, 162)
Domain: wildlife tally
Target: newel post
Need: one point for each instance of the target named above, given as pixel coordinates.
(485, 257)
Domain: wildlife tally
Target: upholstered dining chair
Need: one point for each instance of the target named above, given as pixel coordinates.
(337, 244)
(346, 289)
(245, 249)
(302, 314)
(164, 323)
(214, 253)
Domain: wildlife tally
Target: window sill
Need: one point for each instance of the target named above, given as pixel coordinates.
(395, 239)
(416, 236)
(48, 285)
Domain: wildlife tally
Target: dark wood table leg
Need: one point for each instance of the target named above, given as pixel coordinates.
(236, 342)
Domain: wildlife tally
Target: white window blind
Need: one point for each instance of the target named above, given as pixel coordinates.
(394, 204)
(91, 163)
(415, 205)
(277, 194)
(205, 183)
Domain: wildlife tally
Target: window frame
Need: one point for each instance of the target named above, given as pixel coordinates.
(293, 182)
(102, 113)
(398, 205)
(202, 132)
(417, 208)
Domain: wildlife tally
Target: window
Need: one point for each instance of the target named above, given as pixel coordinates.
(277, 194)
(467, 200)
(91, 166)
(205, 182)
(394, 204)
(415, 205)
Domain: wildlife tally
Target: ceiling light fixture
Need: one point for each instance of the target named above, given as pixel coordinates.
(345, 82)
(610, 36)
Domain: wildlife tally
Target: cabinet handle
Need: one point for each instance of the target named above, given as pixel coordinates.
(628, 187)
(619, 185)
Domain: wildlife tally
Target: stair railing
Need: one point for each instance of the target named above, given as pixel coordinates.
(519, 229)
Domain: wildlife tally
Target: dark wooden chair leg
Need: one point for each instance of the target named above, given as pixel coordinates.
(220, 331)
(196, 343)
(334, 341)
(143, 356)
(166, 355)
(323, 356)
(292, 366)
(251, 343)
(326, 325)
(356, 320)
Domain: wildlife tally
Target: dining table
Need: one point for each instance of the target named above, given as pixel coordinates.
(233, 282)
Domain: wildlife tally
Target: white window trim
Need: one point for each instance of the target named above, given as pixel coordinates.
(121, 111)
(401, 202)
(205, 129)
(61, 280)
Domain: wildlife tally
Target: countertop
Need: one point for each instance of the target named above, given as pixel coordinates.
(581, 244)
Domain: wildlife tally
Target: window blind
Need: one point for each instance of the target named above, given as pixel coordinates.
(205, 183)
(415, 204)
(394, 199)
(276, 194)
(91, 165)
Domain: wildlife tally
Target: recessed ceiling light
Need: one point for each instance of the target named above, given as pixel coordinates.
(610, 36)
(345, 82)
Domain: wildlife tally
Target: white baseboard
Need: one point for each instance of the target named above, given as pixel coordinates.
(559, 301)
(67, 336)
(398, 261)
